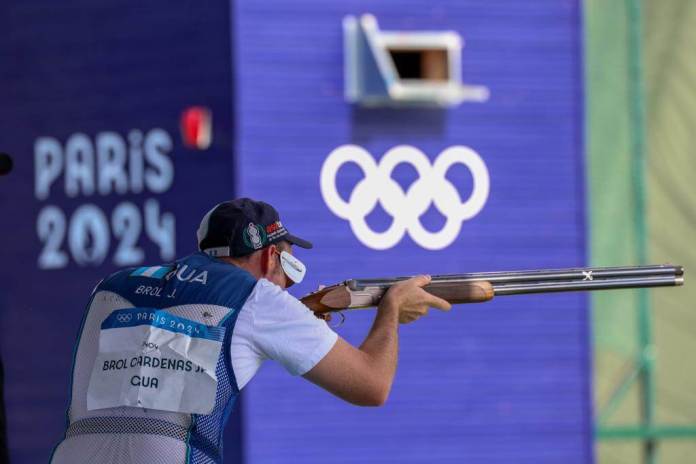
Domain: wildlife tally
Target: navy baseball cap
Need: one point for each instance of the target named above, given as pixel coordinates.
(242, 226)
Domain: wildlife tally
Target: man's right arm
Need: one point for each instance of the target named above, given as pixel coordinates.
(364, 375)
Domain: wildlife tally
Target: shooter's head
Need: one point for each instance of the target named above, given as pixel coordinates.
(249, 234)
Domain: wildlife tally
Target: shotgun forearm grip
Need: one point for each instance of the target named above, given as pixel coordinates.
(457, 293)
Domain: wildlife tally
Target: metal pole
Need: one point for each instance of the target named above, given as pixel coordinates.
(638, 149)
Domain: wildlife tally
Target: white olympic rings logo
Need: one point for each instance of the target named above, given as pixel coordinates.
(123, 318)
(405, 207)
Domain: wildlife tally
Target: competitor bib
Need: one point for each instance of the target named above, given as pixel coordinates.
(149, 358)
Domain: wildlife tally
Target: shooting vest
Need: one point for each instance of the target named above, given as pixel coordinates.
(142, 389)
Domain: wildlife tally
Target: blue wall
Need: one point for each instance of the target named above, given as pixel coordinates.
(506, 381)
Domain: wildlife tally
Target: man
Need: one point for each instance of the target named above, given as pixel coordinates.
(164, 351)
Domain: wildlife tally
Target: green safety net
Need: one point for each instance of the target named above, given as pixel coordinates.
(623, 229)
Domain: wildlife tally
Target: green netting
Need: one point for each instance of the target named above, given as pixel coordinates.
(670, 38)
(665, 49)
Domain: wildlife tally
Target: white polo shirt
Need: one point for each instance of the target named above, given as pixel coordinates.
(273, 324)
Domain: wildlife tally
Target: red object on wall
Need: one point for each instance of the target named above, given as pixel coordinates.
(195, 126)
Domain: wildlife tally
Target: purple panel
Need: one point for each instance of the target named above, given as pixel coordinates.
(87, 74)
(507, 381)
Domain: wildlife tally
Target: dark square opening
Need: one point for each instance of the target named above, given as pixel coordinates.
(421, 64)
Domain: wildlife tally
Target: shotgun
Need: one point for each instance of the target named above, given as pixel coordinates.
(483, 286)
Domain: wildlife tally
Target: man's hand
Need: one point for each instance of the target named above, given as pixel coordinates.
(364, 375)
(413, 302)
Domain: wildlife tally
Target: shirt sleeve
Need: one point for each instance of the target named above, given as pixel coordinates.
(245, 356)
(286, 330)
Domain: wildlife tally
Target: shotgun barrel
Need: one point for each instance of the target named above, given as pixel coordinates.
(674, 275)
(482, 286)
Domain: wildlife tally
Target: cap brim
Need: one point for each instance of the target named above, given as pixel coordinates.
(298, 241)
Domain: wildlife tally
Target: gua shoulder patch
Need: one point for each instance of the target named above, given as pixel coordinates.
(154, 272)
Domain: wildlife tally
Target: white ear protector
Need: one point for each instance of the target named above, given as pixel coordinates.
(293, 267)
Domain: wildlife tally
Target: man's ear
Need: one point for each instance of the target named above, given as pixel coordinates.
(267, 257)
